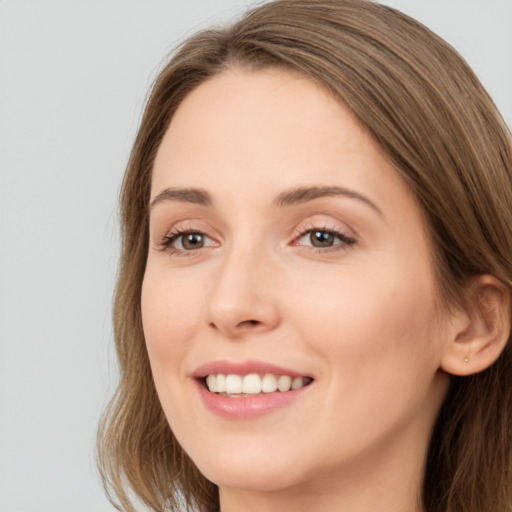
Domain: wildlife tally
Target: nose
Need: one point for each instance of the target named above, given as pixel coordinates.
(243, 297)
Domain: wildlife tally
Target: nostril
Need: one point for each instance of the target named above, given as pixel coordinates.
(248, 323)
(245, 323)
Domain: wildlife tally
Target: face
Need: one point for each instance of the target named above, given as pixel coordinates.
(286, 251)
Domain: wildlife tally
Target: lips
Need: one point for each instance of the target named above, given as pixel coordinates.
(249, 389)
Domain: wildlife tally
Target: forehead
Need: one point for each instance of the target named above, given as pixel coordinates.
(268, 130)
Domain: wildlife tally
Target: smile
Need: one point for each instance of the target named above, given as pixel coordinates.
(235, 386)
(250, 389)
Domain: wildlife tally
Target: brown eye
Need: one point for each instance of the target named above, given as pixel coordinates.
(321, 239)
(181, 242)
(324, 239)
(190, 241)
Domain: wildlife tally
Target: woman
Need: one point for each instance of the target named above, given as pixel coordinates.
(313, 307)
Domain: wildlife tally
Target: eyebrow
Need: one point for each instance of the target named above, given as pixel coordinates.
(305, 194)
(186, 195)
(287, 198)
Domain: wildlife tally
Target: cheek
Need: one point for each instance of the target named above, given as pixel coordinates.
(366, 322)
(170, 315)
(380, 346)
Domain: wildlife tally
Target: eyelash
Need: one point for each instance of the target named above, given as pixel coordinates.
(166, 244)
(345, 241)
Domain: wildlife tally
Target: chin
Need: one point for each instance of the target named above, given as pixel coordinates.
(257, 480)
(251, 473)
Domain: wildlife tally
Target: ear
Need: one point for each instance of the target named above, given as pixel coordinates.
(479, 332)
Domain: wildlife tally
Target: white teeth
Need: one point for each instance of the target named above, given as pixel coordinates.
(268, 383)
(211, 382)
(284, 383)
(253, 384)
(297, 382)
(220, 383)
(233, 384)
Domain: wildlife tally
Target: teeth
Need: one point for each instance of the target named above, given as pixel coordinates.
(221, 383)
(284, 383)
(233, 384)
(211, 382)
(268, 383)
(297, 382)
(253, 384)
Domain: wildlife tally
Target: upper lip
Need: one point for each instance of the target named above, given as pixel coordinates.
(243, 368)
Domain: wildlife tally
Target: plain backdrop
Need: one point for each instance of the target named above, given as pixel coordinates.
(73, 78)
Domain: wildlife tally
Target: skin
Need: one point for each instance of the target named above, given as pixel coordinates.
(362, 318)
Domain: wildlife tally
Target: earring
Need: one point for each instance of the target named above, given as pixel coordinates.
(466, 358)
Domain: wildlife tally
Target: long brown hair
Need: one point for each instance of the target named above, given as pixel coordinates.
(429, 113)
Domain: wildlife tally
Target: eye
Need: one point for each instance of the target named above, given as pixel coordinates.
(324, 239)
(189, 241)
(186, 241)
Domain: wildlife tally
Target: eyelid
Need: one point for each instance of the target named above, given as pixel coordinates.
(324, 222)
(344, 240)
(319, 223)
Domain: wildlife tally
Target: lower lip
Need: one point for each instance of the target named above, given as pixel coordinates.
(247, 407)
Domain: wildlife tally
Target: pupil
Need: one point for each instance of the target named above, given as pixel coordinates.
(193, 241)
(321, 239)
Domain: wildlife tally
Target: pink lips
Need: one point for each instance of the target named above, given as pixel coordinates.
(244, 407)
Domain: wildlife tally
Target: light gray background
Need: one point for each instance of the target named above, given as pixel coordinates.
(73, 77)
